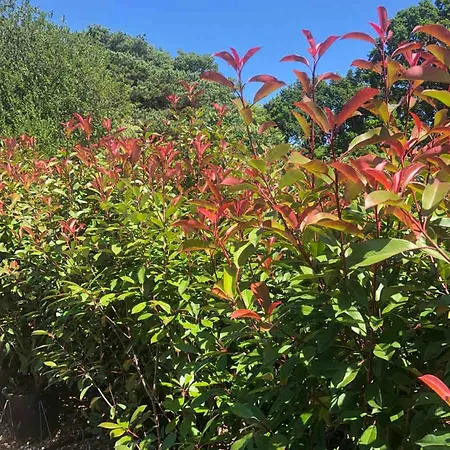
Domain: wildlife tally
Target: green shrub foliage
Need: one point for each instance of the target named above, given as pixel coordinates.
(209, 287)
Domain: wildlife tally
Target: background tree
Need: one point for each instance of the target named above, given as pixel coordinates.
(47, 73)
(152, 74)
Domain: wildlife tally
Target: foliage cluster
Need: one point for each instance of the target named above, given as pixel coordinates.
(203, 289)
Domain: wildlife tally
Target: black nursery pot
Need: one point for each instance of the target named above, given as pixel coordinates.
(25, 415)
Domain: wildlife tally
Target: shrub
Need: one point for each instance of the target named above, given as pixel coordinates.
(203, 291)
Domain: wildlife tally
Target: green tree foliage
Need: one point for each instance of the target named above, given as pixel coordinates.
(47, 73)
(425, 12)
(153, 74)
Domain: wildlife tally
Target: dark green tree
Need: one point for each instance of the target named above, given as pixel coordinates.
(153, 74)
(47, 73)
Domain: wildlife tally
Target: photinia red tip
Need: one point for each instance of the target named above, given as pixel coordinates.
(438, 386)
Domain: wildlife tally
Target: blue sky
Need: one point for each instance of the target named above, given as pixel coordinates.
(207, 26)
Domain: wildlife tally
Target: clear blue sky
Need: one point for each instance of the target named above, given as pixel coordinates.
(207, 26)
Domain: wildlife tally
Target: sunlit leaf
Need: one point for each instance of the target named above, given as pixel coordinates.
(434, 193)
(371, 252)
(438, 386)
(245, 314)
(437, 31)
(426, 73)
(217, 77)
(354, 103)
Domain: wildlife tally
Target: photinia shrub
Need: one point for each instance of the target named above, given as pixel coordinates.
(202, 289)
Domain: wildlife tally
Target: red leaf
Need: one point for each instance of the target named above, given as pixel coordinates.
(263, 79)
(408, 173)
(217, 77)
(272, 308)
(312, 43)
(288, 214)
(378, 30)
(406, 218)
(331, 117)
(266, 89)
(438, 386)
(354, 103)
(437, 31)
(325, 45)
(245, 314)
(231, 181)
(265, 126)
(328, 76)
(363, 64)
(417, 121)
(189, 225)
(426, 73)
(295, 58)
(304, 80)
(433, 151)
(316, 113)
(406, 47)
(248, 55)
(235, 56)
(360, 36)
(261, 292)
(347, 170)
(379, 176)
(383, 18)
(228, 58)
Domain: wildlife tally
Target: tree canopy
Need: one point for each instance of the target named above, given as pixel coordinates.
(48, 72)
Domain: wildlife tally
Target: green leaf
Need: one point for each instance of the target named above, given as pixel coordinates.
(442, 96)
(345, 376)
(374, 136)
(385, 351)
(229, 281)
(40, 333)
(138, 308)
(278, 152)
(106, 299)
(84, 391)
(50, 364)
(381, 197)
(369, 436)
(440, 439)
(141, 275)
(138, 411)
(247, 115)
(303, 123)
(290, 177)
(117, 432)
(242, 411)
(434, 193)
(241, 443)
(242, 255)
(190, 245)
(158, 336)
(258, 164)
(110, 425)
(116, 249)
(372, 252)
(169, 441)
(298, 158)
